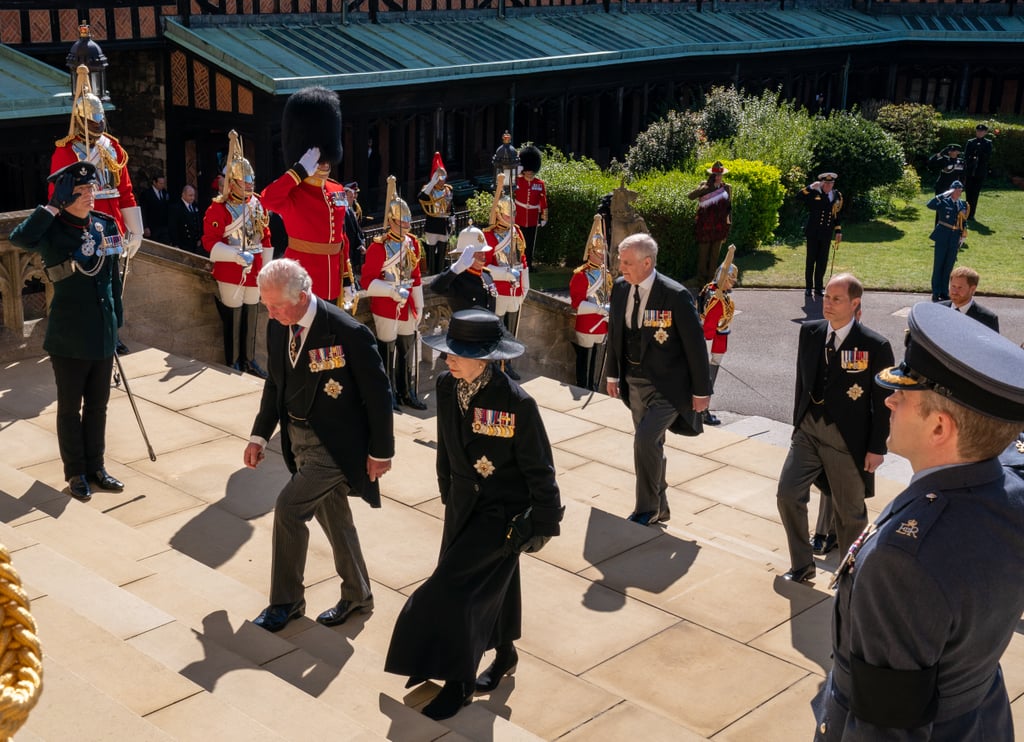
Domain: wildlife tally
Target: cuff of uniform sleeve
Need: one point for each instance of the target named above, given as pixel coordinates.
(374, 458)
(298, 172)
(258, 440)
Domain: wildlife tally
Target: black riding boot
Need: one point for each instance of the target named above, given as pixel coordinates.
(511, 320)
(387, 352)
(247, 342)
(708, 417)
(584, 366)
(407, 363)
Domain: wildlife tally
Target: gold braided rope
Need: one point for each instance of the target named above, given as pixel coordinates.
(21, 661)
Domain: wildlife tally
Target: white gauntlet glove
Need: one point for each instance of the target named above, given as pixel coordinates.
(310, 160)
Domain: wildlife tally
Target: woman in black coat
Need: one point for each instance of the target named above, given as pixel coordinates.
(493, 466)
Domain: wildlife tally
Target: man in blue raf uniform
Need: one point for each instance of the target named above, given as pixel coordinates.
(80, 250)
(930, 594)
(949, 233)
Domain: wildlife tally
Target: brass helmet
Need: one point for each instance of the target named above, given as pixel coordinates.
(87, 117)
(501, 208)
(239, 178)
(597, 239)
(727, 268)
(397, 216)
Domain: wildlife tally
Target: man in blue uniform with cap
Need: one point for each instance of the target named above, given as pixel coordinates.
(930, 595)
(950, 231)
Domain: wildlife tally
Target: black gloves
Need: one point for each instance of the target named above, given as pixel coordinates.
(535, 544)
(64, 192)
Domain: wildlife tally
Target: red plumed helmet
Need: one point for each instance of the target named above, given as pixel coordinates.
(437, 164)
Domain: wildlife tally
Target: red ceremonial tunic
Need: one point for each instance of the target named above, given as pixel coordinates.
(579, 292)
(531, 201)
(215, 222)
(505, 288)
(314, 217)
(107, 200)
(373, 268)
(716, 323)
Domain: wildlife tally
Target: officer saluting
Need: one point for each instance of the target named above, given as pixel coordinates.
(930, 594)
(80, 248)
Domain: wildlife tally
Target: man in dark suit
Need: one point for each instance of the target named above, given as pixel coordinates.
(963, 282)
(931, 596)
(977, 152)
(657, 365)
(156, 210)
(185, 223)
(840, 422)
(328, 391)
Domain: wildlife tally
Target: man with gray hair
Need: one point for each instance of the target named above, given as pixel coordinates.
(657, 365)
(328, 391)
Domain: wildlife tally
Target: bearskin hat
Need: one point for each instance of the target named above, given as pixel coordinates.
(529, 158)
(312, 118)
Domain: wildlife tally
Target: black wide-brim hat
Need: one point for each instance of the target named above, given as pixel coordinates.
(479, 334)
(82, 172)
(958, 357)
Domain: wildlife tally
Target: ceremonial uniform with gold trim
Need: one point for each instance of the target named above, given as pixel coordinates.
(229, 223)
(493, 462)
(717, 317)
(381, 263)
(115, 187)
(949, 232)
(823, 224)
(508, 256)
(592, 283)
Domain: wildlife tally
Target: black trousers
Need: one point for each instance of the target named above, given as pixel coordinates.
(530, 238)
(83, 390)
(817, 261)
(972, 189)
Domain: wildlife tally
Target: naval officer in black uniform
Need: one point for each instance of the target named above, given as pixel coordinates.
(930, 595)
(80, 250)
(467, 284)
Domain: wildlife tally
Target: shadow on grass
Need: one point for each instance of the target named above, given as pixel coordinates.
(907, 213)
(759, 260)
(979, 228)
(872, 232)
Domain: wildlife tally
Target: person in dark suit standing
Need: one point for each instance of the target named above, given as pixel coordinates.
(824, 207)
(657, 364)
(963, 282)
(466, 283)
(185, 223)
(494, 469)
(930, 596)
(840, 422)
(80, 248)
(977, 152)
(328, 391)
(156, 210)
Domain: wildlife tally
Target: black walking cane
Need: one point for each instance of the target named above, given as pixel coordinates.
(135, 409)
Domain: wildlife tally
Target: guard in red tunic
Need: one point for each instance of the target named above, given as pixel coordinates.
(714, 219)
(391, 277)
(531, 199)
(590, 289)
(717, 310)
(312, 205)
(87, 140)
(235, 232)
(507, 262)
(436, 202)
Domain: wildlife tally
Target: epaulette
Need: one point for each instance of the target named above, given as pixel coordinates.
(913, 523)
(582, 268)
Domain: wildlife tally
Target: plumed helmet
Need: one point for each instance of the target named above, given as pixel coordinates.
(86, 109)
(529, 158)
(396, 210)
(312, 118)
(596, 238)
(727, 268)
(438, 164)
(237, 168)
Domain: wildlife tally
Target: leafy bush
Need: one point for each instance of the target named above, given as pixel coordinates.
(479, 207)
(669, 143)
(915, 126)
(887, 200)
(722, 114)
(775, 132)
(860, 151)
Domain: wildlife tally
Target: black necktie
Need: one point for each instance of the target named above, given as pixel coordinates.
(830, 348)
(634, 318)
(296, 341)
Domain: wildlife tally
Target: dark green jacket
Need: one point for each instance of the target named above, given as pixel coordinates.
(86, 310)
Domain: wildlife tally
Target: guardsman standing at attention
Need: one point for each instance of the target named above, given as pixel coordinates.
(310, 203)
(824, 205)
(716, 313)
(391, 277)
(590, 290)
(714, 219)
(929, 596)
(977, 152)
(436, 202)
(531, 199)
(235, 231)
(949, 233)
(507, 263)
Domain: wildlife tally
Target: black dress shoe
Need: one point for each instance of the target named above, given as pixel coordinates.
(411, 400)
(818, 543)
(453, 696)
(276, 617)
(665, 516)
(121, 349)
(505, 663)
(78, 488)
(336, 615)
(831, 542)
(709, 418)
(106, 482)
(800, 575)
(251, 367)
(648, 518)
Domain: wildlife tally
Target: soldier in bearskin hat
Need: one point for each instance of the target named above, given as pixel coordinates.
(436, 201)
(311, 204)
(531, 199)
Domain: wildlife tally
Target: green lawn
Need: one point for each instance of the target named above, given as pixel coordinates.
(896, 254)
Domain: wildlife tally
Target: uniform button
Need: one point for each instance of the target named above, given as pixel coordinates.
(823, 728)
(476, 487)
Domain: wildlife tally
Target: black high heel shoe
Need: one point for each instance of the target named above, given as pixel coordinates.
(505, 663)
(453, 696)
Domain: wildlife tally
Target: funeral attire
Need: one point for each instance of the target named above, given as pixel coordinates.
(80, 257)
(185, 226)
(657, 353)
(156, 213)
(839, 416)
(328, 392)
(494, 463)
(823, 225)
(930, 596)
(950, 167)
(974, 310)
(977, 152)
(948, 234)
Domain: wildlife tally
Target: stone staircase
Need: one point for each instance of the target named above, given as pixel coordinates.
(144, 598)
